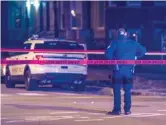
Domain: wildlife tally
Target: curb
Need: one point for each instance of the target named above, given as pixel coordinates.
(108, 91)
(152, 94)
(99, 83)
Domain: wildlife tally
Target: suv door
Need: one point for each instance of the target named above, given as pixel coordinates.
(21, 56)
(12, 68)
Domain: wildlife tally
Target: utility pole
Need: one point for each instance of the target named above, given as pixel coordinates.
(56, 28)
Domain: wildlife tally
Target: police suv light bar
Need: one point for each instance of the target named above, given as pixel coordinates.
(34, 37)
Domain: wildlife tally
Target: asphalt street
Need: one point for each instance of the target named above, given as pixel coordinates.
(50, 106)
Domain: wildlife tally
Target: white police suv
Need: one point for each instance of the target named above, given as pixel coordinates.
(56, 74)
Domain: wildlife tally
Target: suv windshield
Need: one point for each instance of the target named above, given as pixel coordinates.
(59, 46)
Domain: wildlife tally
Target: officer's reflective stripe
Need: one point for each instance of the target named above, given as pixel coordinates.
(117, 67)
(134, 65)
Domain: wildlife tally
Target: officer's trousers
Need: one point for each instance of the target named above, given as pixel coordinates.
(122, 79)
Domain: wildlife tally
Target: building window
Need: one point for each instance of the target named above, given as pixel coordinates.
(18, 18)
(120, 3)
(76, 21)
(76, 14)
(111, 3)
(160, 3)
(101, 17)
(134, 3)
(147, 3)
(163, 41)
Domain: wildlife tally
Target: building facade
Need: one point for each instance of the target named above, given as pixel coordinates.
(147, 20)
(21, 19)
(91, 22)
(77, 18)
(67, 19)
(74, 20)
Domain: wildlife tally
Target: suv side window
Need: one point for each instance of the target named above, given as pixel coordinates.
(58, 45)
(25, 46)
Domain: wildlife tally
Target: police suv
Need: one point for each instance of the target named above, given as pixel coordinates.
(56, 74)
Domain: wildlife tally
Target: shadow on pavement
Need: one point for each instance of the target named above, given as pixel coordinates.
(89, 90)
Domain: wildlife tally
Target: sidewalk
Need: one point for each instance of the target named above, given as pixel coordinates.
(144, 83)
(102, 74)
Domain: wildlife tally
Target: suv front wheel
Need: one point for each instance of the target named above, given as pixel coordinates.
(8, 82)
(30, 84)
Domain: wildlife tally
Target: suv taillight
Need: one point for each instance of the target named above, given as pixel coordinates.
(84, 61)
(3, 65)
(39, 57)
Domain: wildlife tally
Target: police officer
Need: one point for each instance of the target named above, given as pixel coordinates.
(133, 36)
(123, 49)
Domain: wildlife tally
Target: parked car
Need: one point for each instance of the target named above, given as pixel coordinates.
(56, 74)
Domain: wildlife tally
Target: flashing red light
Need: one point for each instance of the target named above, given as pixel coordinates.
(84, 62)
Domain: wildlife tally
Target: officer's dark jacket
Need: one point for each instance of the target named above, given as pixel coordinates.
(124, 50)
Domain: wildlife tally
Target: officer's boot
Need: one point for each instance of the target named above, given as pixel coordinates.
(127, 99)
(114, 112)
(117, 100)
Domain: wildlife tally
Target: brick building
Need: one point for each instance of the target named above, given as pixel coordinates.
(21, 19)
(78, 18)
(75, 20)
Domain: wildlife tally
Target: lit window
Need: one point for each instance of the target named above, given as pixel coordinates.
(76, 21)
(18, 18)
(76, 14)
(29, 3)
(36, 4)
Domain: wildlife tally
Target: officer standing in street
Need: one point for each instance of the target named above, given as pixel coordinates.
(123, 49)
(133, 36)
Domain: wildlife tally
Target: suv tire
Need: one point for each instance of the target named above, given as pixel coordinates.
(8, 82)
(30, 84)
(78, 87)
(81, 87)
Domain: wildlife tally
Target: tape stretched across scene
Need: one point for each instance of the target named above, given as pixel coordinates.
(87, 62)
(96, 52)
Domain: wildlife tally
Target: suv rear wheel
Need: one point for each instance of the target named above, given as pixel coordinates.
(30, 84)
(78, 87)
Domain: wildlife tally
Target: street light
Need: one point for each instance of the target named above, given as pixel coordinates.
(73, 13)
(35, 3)
(73, 19)
(28, 5)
